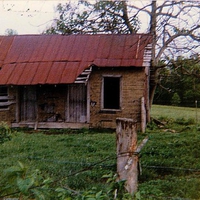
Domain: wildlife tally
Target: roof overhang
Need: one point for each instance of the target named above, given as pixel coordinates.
(57, 59)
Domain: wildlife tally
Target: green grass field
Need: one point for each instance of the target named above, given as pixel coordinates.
(175, 112)
(170, 160)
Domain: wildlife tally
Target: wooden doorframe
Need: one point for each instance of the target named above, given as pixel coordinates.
(27, 111)
(83, 111)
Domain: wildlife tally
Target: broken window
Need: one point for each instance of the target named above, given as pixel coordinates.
(3, 97)
(111, 92)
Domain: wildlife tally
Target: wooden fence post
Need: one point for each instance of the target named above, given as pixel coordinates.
(127, 159)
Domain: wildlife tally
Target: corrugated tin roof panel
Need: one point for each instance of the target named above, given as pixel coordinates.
(70, 72)
(38, 55)
(17, 73)
(117, 48)
(54, 59)
(65, 49)
(42, 73)
(55, 73)
(27, 76)
(5, 73)
(5, 44)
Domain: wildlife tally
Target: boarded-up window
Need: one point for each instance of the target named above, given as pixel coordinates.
(3, 97)
(111, 93)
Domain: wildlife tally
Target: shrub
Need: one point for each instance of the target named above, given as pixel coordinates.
(175, 101)
(5, 132)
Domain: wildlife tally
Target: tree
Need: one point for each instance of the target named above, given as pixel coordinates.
(182, 78)
(100, 17)
(175, 26)
(175, 99)
(10, 32)
(175, 31)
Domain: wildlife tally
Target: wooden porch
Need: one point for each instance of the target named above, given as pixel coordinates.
(49, 125)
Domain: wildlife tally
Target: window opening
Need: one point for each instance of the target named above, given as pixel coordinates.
(111, 93)
(3, 97)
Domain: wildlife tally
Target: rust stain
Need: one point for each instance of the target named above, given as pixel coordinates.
(58, 59)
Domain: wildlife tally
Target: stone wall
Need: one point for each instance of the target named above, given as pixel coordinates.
(133, 88)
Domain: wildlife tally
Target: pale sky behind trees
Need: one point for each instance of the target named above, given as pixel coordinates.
(34, 16)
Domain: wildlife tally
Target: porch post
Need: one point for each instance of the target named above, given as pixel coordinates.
(17, 107)
(143, 115)
(88, 102)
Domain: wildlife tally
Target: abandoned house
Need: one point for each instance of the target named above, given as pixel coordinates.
(75, 81)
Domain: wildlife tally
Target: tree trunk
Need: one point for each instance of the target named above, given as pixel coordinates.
(153, 85)
(153, 70)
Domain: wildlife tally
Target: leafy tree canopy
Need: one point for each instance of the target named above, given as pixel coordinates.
(181, 79)
(10, 31)
(100, 17)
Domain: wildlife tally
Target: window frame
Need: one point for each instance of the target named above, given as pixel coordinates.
(120, 93)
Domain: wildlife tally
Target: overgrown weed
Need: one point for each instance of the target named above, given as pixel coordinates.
(5, 132)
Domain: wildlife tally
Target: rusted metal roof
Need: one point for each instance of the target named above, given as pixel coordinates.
(58, 59)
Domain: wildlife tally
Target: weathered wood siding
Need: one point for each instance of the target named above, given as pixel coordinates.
(62, 103)
(9, 115)
(51, 103)
(28, 103)
(76, 109)
(47, 103)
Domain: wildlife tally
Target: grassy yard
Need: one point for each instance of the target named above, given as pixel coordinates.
(62, 155)
(170, 160)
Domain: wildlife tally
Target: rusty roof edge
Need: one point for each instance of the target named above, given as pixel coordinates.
(25, 62)
(74, 35)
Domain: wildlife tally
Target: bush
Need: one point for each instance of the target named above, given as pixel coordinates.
(5, 132)
(175, 100)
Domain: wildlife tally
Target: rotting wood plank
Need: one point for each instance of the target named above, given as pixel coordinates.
(8, 103)
(7, 97)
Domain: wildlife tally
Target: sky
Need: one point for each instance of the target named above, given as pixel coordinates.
(29, 16)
